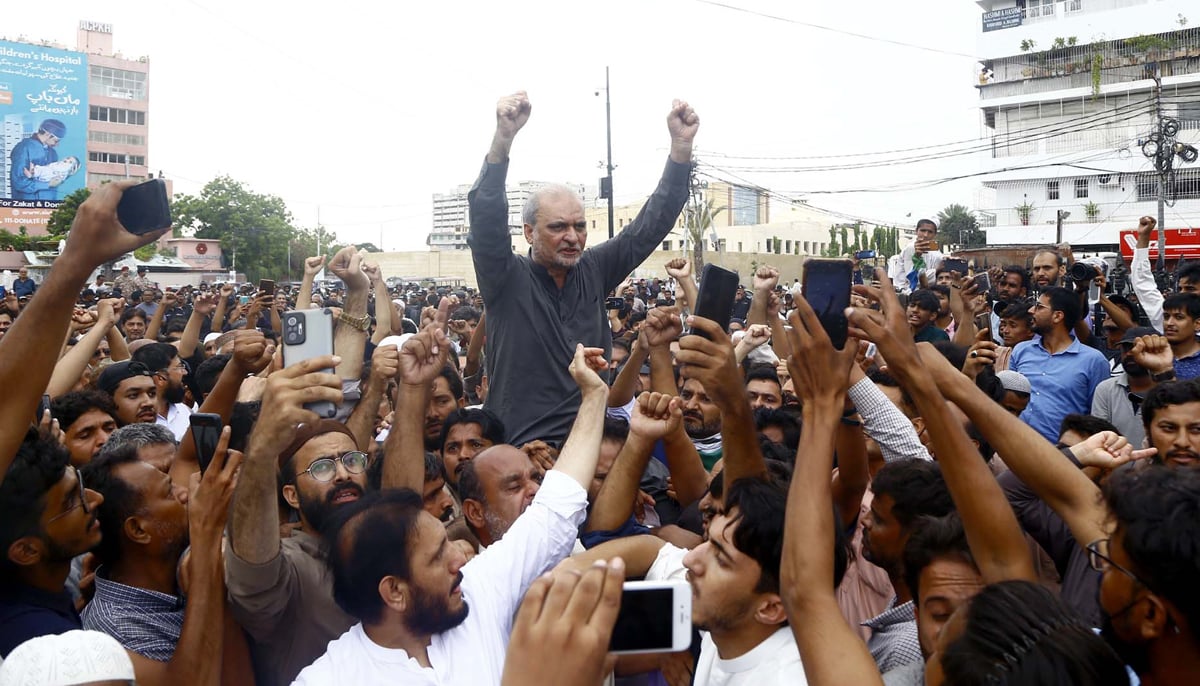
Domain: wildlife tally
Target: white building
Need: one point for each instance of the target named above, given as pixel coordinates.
(1068, 98)
(451, 216)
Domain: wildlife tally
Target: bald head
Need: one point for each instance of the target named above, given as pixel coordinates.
(495, 488)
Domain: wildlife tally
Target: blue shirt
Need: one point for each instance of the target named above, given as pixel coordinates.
(146, 622)
(27, 612)
(1063, 383)
(1187, 367)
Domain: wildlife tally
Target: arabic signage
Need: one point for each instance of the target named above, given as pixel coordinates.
(1001, 19)
(44, 136)
(1181, 243)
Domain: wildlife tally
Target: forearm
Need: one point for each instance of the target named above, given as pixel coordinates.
(219, 401)
(156, 322)
(26, 362)
(625, 385)
(404, 449)
(475, 349)
(276, 324)
(118, 349)
(70, 367)
(219, 314)
(853, 474)
(964, 327)
(349, 343)
(254, 519)
(662, 372)
(993, 533)
(758, 308)
(500, 148)
(361, 421)
(1141, 278)
(383, 312)
(577, 459)
(779, 339)
(739, 442)
(304, 297)
(1118, 315)
(686, 468)
(614, 502)
(691, 293)
(883, 422)
(191, 335)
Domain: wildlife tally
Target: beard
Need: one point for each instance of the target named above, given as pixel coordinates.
(432, 615)
(174, 394)
(696, 427)
(317, 510)
(1135, 655)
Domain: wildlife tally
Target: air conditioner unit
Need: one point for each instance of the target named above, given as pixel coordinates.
(1109, 179)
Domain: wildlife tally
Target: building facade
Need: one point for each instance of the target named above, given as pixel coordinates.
(118, 108)
(1068, 98)
(452, 221)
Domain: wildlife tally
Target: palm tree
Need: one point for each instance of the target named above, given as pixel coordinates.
(697, 223)
(957, 225)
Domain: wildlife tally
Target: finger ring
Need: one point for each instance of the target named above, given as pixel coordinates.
(974, 353)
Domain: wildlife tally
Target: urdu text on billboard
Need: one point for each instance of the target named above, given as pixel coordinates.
(44, 110)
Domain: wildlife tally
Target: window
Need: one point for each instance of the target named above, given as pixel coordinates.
(666, 245)
(745, 206)
(116, 83)
(593, 223)
(1081, 188)
(116, 115)
(118, 138)
(1147, 187)
(739, 246)
(116, 158)
(806, 247)
(1052, 190)
(787, 248)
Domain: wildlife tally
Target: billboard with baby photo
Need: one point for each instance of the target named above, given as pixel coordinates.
(44, 104)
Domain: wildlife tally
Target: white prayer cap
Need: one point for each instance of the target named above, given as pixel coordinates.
(76, 657)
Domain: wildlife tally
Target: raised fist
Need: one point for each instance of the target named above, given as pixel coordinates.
(512, 111)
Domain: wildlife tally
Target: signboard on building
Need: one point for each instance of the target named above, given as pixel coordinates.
(1001, 19)
(1181, 243)
(44, 131)
(99, 27)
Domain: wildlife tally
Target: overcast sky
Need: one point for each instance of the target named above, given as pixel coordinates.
(365, 109)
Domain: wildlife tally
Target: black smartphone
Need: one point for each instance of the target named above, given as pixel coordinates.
(145, 207)
(718, 287)
(206, 432)
(983, 283)
(864, 255)
(827, 290)
(952, 264)
(614, 303)
(266, 286)
(43, 408)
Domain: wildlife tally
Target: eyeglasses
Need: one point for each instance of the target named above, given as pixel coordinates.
(82, 500)
(1098, 557)
(325, 468)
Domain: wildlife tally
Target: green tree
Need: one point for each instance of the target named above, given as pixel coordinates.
(957, 225)
(64, 215)
(255, 229)
(698, 222)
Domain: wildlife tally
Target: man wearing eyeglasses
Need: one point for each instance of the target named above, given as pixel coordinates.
(47, 517)
(37, 150)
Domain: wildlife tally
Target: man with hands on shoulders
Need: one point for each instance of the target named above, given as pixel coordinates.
(541, 304)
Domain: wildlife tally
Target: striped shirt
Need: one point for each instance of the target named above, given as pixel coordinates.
(143, 621)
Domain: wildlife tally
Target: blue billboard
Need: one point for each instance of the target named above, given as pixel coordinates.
(44, 105)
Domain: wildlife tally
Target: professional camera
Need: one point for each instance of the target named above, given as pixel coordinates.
(1088, 269)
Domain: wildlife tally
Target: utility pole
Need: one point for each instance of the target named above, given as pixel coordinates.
(1061, 217)
(1162, 174)
(606, 184)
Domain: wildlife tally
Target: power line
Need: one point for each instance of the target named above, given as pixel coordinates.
(830, 29)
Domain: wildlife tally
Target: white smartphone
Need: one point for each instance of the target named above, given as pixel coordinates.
(308, 334)
(655, 617)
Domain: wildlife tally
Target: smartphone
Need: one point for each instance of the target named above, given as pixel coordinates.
(308, 334)
(864, 255)
(718, 287)
(953, 264)
(655, 617)
(266, 286)
(614, 303)
(206, 432)
(145, 207)
(933, 245)
(244, 299)
(827, 290)
(43, 408)
(983, 283)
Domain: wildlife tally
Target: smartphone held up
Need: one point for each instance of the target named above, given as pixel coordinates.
(145, 208)
(827, 289)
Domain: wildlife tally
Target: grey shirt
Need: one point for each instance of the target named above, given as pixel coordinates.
(532, 325)
(1111, 403)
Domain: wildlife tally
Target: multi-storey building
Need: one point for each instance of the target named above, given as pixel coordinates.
(118, 108)
(1068, 96)
(451, 218)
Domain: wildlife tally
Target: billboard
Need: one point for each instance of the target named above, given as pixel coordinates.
(44, 104)
(1182, 243)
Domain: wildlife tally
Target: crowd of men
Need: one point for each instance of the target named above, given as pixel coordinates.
(984, 486)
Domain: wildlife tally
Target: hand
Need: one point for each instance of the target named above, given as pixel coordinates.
(656, 415)
(170, 299)
(683, 123)
(982, 354)
(774, 305)
(586, 368)
(819, 371)
(662, 325)
(1108, 450)
(87, 581)
(107, 311)
(283, 402)
(29, 171)
(210, 495)
(462, 327)
(756, 335)
(204, 304)
(252, 351)
(563, 627)
(709, 359)
(1153, 353)
(677, 668)
(48, 429)
(96, 234)
(887, 329)
(679, 269)
(429, 314)
(422, 357)
(227, 289)
(541, 454)
(374, 275)
(312, 267)
(512, 112)
(347, 266)
(82, 319)
(1146, 227)
(53, 183)
(765, 279)
(385, 363)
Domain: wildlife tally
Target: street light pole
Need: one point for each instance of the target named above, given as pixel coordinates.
(606, 184)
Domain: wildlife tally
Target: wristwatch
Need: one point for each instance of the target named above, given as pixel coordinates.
(1168, 375)
(361, 323)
